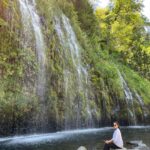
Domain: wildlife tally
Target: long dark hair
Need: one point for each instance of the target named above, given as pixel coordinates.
(116, 122)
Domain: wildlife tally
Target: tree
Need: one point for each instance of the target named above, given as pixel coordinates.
(123, 31)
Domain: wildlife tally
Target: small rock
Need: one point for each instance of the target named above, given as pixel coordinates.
(82, 148)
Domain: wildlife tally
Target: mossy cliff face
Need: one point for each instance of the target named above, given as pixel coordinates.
(80, 85)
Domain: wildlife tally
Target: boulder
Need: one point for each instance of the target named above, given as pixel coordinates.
(82, 148)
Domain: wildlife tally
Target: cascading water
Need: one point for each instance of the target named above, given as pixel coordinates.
(75, 76)
(32, 32)
(147, 29)
(129, 99)
(141, 103)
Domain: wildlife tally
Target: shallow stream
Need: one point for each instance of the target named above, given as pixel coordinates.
(92, 139)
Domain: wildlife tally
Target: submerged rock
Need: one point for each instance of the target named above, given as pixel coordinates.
(134, 143)
(138, 145)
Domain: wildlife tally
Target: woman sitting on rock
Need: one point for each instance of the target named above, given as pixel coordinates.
(116, 142)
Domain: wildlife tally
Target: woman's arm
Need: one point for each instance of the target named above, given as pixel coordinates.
(109, 141)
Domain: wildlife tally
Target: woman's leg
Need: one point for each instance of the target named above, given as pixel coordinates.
(108, 146)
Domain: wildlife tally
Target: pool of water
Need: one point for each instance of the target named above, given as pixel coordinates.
(92, 139)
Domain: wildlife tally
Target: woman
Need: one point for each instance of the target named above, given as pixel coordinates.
(116, 142)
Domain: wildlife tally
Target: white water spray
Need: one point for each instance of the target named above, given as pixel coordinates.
(76, 78)
(129, 99)
(33, 39)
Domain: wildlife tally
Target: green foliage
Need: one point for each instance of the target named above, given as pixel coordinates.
(113, 40)
(137, 83)
(122, 29)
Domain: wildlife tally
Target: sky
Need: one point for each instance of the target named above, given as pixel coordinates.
(146, 10)
(104, 3)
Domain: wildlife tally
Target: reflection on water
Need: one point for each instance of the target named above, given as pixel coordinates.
(92, 139)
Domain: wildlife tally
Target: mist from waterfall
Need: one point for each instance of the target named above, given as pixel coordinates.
(76, 79)
(33, 39)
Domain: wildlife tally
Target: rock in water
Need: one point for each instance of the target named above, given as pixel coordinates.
(82, 148)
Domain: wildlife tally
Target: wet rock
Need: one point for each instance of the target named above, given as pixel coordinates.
(134, 143)
(138, 145)
(82, 148)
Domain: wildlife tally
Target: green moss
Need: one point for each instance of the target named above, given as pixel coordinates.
(136, 83)
(18, 69)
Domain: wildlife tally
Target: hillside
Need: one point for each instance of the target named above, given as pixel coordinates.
(58, 71)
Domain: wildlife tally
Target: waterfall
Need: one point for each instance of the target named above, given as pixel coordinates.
(33, 38)
(129, 99)
(76, 79)
(142, 105)
(147, 29)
